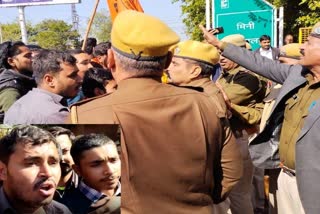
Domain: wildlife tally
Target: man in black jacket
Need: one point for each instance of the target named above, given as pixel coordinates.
(16, 74)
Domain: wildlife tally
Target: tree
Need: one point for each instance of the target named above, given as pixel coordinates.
(11, 31)
(194, 14)
(298, 13)
(55, 34)
(101, 26)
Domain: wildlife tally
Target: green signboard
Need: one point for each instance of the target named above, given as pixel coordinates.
(251, 18)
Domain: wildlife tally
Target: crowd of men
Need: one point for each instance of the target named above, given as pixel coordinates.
(205, 143)
(49, 170)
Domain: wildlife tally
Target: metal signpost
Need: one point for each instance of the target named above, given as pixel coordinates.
(251, 18)
(21, 4)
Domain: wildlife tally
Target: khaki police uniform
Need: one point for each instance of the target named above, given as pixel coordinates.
(175, 155)
(291, 50)
(246, 92)
(200, 52)
(295, 187)
(204, 53)
(297, 108)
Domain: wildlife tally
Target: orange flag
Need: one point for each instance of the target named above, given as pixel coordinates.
(116, 6)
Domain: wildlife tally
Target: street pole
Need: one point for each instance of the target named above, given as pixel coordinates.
(22, 23)
(89, 24)
(275, 28)
(208, 21)
(281, 16)
(1, 39)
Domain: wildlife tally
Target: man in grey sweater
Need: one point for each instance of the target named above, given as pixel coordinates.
(289, 139)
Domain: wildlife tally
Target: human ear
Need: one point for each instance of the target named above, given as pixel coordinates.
(3, 171)
(195, 71)
(111, 60)
(11, 62)
(49, 80)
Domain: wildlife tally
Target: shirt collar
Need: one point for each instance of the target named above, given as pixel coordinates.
(56, 97)
(266, 51)
(5, 207)
(118, 190)
(72, 183)
(92, 194)
(232, 71)
(198, 82)
(310, 80)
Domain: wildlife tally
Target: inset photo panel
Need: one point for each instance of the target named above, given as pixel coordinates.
(60, 169)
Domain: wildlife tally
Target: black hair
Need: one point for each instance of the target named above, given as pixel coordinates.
(23, 134)
(206, 68)
(95, 78)
(50, 61)
(9, 49)
(34, 48)
(101, 49)
(90, 44)
(86, 142)
(58, 130)
(264, 37)
(75, 51)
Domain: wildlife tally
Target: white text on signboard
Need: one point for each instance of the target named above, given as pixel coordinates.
(243, 26)
(224, 4)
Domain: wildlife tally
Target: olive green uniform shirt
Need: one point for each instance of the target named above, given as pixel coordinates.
(246, 93)
(296, 110)
(7, 97)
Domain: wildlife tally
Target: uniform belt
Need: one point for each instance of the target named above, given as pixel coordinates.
(287, 170)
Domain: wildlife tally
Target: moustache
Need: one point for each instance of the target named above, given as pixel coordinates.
(43, 180)
(109, 178)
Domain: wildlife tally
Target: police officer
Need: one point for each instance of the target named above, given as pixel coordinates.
(244, 93)
(176, 156)
(192, 65)
(293, 123)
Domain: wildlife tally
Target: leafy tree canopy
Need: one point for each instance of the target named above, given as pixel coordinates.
(50, 33)
(101, 26)
(55, 34)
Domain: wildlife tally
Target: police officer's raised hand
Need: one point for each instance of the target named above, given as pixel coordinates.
(210, 38)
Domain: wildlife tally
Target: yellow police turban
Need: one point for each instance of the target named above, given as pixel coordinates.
(235, 39)
(140, 36)
(315, 32)
(198, 51)
(291, 50)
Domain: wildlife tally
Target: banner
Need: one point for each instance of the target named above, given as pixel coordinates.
(116, 6)
(17, 3)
